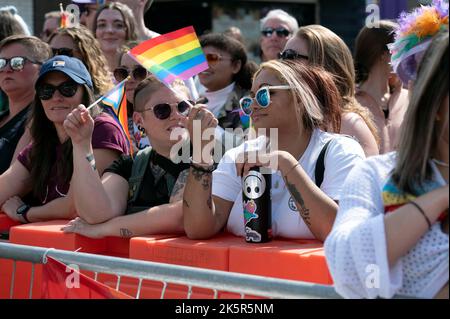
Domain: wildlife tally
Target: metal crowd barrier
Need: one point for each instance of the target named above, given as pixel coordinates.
(168, 274)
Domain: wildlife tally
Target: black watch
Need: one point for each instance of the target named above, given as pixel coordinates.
(23, 211)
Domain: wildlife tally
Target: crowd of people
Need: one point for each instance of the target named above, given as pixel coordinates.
(378, 116)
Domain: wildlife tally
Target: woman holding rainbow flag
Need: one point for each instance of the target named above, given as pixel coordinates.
(38, 186)
(151, 200)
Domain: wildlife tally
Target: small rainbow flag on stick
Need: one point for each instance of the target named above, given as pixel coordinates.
(117, 102)
(64, 17)
(171, 56)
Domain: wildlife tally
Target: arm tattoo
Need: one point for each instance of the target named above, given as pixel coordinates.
(91, 159)
(178, 188)
(125, 233)
(185, 203)
(203, 177)
(304, 212)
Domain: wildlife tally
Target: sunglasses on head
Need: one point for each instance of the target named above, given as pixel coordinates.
(16, 63)
(67, 89)
(213, 58)
(63, 51)
(139, 73)
(290, 54)
(162, 111)
(280, 32)
(262, 98)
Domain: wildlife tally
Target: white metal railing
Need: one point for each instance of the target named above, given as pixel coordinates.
(167, 274)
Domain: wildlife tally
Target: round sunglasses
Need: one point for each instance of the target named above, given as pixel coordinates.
(162, 111)
(280, 32)
(16, 63)
(138, 73)
(262, 98)
(67, 89)
(290, 54)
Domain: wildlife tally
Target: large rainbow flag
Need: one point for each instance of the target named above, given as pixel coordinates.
(171, 56)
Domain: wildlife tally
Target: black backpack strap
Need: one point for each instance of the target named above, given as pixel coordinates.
(320, 165)
(140, 164)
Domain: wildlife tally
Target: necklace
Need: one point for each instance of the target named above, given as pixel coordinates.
(440, 163)
(383, 104)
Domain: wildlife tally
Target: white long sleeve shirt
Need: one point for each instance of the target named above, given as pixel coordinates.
(356, 247)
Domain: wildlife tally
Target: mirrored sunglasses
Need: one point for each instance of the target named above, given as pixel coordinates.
(16, 63)
(262, 98)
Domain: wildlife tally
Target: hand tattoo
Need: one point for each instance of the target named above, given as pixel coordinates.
(203, 177)
(125, 233)
(304, 212)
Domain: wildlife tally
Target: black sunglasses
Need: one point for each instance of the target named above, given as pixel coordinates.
(17, 63)
(290, 54)
(67, 89)
(63, 51)
(162, 111)
(280, 32)
(139, 73)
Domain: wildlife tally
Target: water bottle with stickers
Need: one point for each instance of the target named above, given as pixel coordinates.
(257, 205)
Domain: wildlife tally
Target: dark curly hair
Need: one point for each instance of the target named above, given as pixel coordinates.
(237, 53)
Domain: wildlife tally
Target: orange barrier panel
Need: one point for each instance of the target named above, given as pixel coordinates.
(46, 234)
(6, 222)
(49, 234)
(302, 260)
(212, 253)
(117, 247)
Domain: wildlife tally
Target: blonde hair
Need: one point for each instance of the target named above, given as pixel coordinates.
(92, 56)
(419, 126)
(315, 95)
(328, 50)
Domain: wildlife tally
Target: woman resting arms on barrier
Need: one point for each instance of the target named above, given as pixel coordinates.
(155, 199)
(391, 232)
(43, 172)
(300, 101)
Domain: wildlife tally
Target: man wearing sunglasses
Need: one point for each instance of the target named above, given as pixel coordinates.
(20, 61)
(276, 29)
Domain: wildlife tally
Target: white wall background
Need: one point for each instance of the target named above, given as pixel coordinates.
(24, 8)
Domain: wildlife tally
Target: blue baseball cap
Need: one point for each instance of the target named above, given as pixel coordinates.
(72, 67)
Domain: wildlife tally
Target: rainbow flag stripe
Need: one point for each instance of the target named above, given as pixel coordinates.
(174, 55)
